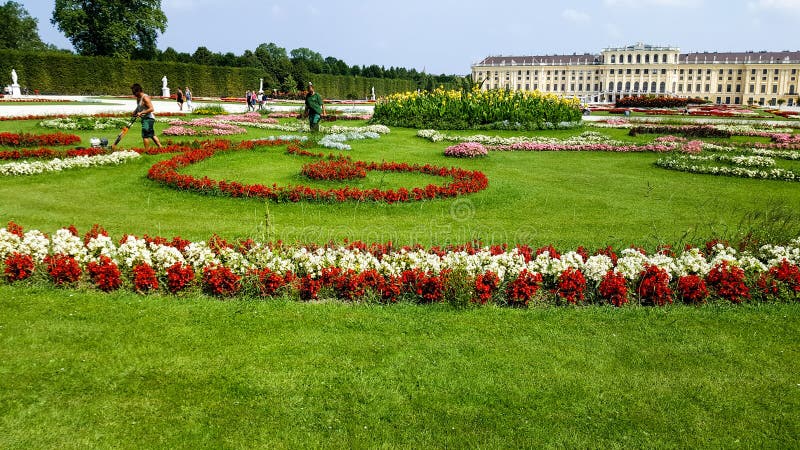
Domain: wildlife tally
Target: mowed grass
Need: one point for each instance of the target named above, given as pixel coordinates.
(537, 198)
(83, 369)
(86, 369)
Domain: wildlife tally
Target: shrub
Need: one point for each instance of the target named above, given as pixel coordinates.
(520, 291)
(654, 287)
(453, 110)
(692, 289)
(179, 276)
(144, 278)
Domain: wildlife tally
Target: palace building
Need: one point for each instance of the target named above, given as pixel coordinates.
(764, 78)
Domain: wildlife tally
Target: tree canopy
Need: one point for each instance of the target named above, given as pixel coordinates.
(111, 27)
(19, 31)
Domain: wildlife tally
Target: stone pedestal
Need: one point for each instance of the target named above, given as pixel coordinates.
(15, 90)
(165, 92)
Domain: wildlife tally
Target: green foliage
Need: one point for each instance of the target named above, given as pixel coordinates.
(209, 110)
(60, 73)
(464, 109)
(19, 29)
(111, 27)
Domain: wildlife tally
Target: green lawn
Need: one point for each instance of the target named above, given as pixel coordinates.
(565, 198)
(85, 369)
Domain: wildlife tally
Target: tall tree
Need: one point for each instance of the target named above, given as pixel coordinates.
(111, 27)
(19, 30)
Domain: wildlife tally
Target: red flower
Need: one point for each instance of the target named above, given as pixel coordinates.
(654, 287)
(485, 285)
(692, 289)
(144, 278)
(728, 282)
(269, 282)
(571, 285)
(220, 281)
(18, 267)
(63, 269)
(523, 288)
(13, 228)
(309, 288)
(179, 276)
(105, 274)
(614, 288)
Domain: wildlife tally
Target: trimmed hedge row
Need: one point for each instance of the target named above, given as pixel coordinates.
(62, 73)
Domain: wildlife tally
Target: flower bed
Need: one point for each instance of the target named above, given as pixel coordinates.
(202, 127)
(463, 181)
(466, 150)
(740, 166)
(41, 153)
(657, 102)
(56, 165)
(341, 169)
(463, 110)
(85, 123)
(28, 139)
(501, 274)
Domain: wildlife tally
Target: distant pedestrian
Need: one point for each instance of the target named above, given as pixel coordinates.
(315, 108)
(188, 95)
(248, 97)
(144, 110)
(179, 98)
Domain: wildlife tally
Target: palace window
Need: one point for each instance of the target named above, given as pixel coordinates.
(708, 88)
(653, 85)
(774, 88)
(630, 59)
(638, 59)
(655, 58)
(662, 87)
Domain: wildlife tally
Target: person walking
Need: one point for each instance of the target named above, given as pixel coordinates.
(144, 110)
(179, 97)
(315, 108)
(188, 95)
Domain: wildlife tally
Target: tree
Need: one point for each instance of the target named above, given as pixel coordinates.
(19, 30)
(111, 27)
(312, 60)
(203, 56)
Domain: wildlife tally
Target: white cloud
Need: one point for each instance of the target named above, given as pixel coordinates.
(790, 6)
(575, 16)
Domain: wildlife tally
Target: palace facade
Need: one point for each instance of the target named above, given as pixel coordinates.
(765, 78)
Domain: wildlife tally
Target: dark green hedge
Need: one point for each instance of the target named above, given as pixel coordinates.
(61, 73)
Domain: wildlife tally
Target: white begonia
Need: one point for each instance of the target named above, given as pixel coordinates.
(262, 257)
(631, 263)
(9, 243)
(750, 263)
(164, 256)
(664, 262)
(65, 243)
(58, 164)
(692, 262)
(102, 246)
(567, 260)
(774, 254)
(199, 255)
(544, 265)
(36, 244)
(235, 261)
(134, 251)
(597, 266)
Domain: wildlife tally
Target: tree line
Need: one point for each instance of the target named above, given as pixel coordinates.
(129, 30)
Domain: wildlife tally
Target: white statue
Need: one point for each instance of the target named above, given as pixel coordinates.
(13, 76)
(164, 82)
(373, 92)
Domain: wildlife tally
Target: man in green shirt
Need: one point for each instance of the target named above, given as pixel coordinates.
(315, 108)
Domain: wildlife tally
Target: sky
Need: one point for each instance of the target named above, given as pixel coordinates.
(448, 36)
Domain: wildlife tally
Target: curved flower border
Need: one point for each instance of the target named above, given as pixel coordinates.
(166, 172)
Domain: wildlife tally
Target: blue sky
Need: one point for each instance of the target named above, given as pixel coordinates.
(447, 36)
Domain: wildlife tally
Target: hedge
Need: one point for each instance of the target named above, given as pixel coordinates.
(67, 74)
